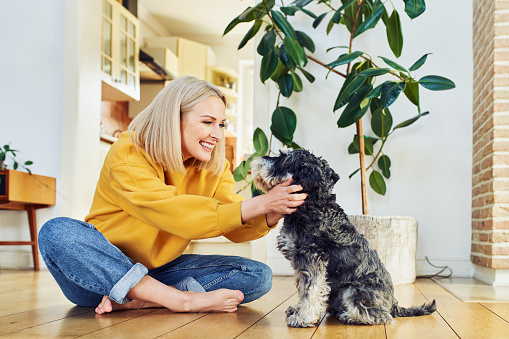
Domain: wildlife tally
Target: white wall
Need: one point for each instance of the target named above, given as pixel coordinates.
(431, 160)
(31, 85)
(49, 111)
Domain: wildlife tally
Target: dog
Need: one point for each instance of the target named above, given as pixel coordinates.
(336, 270)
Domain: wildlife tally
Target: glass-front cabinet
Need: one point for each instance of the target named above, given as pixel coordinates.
(119, 53)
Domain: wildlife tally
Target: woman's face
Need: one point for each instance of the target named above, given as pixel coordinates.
(202, 128)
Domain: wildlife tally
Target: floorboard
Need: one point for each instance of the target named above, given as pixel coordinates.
(32, 306)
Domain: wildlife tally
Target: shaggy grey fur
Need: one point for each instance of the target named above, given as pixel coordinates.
(336, 269)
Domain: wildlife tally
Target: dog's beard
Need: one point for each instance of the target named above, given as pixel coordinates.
(261, 170)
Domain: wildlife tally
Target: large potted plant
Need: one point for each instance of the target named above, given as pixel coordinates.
(370, 85)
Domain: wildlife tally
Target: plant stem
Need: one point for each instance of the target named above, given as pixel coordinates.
(323, 64)
(358, 125)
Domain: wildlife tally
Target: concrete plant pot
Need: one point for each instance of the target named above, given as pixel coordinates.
(395, 240)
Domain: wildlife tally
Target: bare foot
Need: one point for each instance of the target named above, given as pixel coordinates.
(221, 300)
(107, 305)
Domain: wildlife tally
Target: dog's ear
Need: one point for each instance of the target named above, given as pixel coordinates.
(308, 175)
(334, 176)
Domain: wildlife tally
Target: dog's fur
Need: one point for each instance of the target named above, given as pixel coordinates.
(336, 269)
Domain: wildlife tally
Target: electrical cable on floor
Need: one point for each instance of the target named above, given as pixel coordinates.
(438, 274)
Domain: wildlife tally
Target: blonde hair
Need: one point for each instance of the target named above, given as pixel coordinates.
(157, 128)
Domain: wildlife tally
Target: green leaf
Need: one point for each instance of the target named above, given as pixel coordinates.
(28, 163)
(336, 17)
(302, 3)
(381, 122)
(371, 19)
(294, 145)
(311, 14)
(346, 4)
(350, 86)
(285, 58)
(414, 8)
(283, 24)
(249, 14)
(436, 83)
(395, 34)
(290, 10)
(285, 83)
(390, 92)
(260, 142)
(369, 143)
(284, 123)
(240, 173)
(305, 41)
(384, 163)
(251, 33)
(297, 82)
(308, 75)
(419, 63)
(353, 173)
(232, 25)
(15, 166)
(280, 70)
(268, 65)
(409, 121)
(330, 25)
(267, 43)
(394, 65)
(373, 72)
(318, 20)
(344, 59)
(377, 182)
(412, 92)
(295, 50)
(357, 106)
(375, 92)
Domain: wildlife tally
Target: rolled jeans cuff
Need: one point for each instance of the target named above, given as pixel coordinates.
(129, 280)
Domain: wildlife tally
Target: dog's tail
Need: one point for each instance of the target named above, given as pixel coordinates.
(424, 309)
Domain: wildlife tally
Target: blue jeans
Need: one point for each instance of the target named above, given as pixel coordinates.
(87, 266)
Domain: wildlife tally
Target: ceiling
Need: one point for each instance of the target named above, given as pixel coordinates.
(197, 17)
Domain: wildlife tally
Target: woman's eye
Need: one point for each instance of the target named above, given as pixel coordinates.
(207, 122)
(222, 125)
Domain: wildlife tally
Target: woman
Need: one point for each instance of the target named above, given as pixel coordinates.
(164, 183)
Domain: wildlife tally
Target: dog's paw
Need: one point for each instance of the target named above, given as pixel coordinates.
(295, 320)
(291, 310)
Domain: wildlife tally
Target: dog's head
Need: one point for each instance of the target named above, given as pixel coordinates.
(311, 172)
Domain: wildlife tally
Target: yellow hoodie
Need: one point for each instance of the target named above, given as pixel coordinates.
(151, 215)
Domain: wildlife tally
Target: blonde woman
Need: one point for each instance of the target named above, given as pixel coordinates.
(164, 183)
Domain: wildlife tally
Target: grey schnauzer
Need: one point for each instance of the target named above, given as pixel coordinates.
(336, 269)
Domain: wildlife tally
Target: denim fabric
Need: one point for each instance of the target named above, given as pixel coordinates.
(87, 266)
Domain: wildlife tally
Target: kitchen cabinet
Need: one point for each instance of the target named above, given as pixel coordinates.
(193, 57)
(119, 53)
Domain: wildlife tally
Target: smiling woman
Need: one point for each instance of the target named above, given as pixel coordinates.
(164, 183)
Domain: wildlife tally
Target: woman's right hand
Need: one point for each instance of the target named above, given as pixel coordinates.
(279, 200)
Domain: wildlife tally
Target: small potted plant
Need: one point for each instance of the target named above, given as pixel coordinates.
(6, 152)
(370, 85)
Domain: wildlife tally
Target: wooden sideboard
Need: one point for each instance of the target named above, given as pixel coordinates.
(20, 191)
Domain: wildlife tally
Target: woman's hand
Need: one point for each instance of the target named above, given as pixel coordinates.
(278, 201)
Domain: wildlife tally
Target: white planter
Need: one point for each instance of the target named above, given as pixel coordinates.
(395, 240)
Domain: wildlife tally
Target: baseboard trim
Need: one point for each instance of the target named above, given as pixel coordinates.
(495, 277)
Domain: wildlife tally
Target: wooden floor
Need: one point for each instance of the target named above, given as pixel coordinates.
(32, 306)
